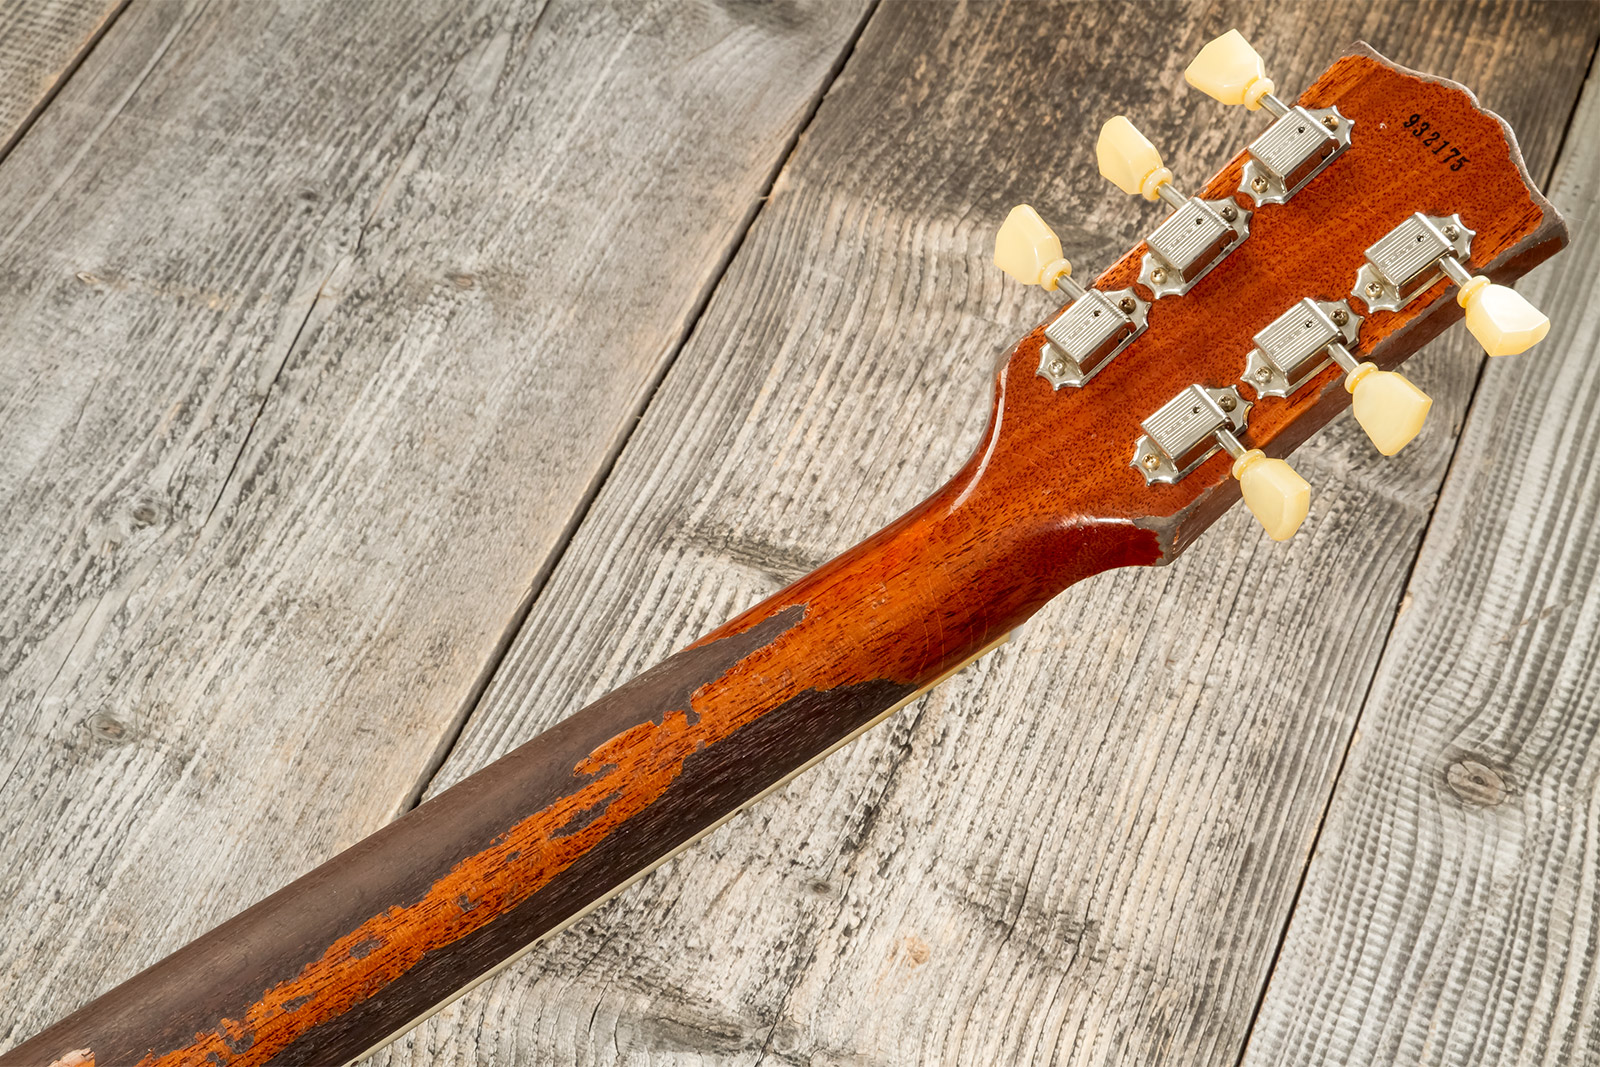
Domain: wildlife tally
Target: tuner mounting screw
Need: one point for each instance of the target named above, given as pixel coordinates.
(1330, 122)
(1057, 366)
(1158, 276)
(1227, 403)
(1451, 233)
(1230, 213)
(1152, 462)
(1127, 305)
(1374, 289)
(1259, 184)
(1263, 376)
(1340, 316)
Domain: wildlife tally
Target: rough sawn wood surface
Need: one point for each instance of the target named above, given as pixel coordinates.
(1452, 910)
(301, 397)
(323, 331)
(41, 42)
(1084, 849)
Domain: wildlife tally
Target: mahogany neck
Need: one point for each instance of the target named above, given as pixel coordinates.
(358, 949)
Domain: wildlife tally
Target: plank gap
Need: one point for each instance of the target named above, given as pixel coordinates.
(647, 395)
(1545, 185)
(67, 72)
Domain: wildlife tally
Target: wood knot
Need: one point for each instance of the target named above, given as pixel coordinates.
(107, 727)
(785, 1039)
(1477, 785)
(145, 510)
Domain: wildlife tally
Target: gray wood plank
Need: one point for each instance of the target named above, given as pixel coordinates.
(319, 324)
(41, 42)
(1083, 849)
(1449, 914)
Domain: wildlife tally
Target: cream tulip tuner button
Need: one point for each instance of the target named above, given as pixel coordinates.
(1029, 250)
(1387, 405)
(1277, 496)
(1500, 318)
(1129, 161)
(1229, 70)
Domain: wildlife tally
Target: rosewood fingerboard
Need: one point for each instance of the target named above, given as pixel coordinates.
(358, 949)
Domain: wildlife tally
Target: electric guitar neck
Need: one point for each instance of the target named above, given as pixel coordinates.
(1367, 217)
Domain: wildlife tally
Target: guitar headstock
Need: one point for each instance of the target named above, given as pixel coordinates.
(1365, 218)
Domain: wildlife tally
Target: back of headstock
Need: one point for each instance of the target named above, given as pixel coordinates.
(1367, 217)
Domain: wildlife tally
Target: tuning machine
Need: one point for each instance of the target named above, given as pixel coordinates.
(1299, 143)
(1198, 235)
(1298, 344)
(1295, 345)
(1192, 426)
(1410, 258)
(1093, 327)
(1182, 434)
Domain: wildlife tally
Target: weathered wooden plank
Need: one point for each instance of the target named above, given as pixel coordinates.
(1083, 849)
(41, 42)
(1449, 913)
(320, 322)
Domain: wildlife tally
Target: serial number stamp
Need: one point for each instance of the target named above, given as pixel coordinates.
(1435, 142)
